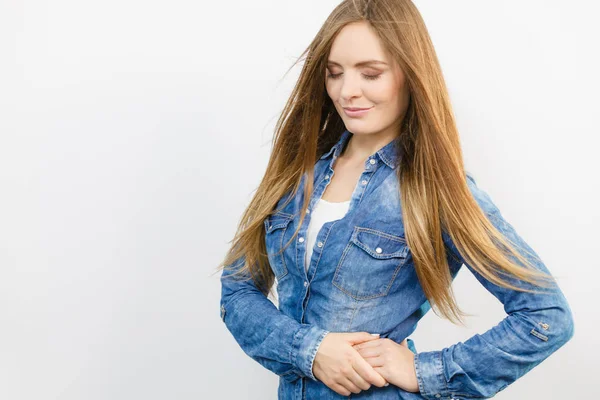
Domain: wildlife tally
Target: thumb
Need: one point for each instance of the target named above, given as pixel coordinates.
(359, 337)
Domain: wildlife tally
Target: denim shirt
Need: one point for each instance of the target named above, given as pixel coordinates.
(361, 277)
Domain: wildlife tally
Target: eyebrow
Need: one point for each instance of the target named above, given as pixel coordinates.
(359, 64)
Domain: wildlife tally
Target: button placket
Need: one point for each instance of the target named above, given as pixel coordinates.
(368, 171)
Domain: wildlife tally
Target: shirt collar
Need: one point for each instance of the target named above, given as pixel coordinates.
(390, 153)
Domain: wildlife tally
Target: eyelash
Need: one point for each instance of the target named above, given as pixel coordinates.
(369, 77)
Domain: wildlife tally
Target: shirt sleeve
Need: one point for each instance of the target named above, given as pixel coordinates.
(273, 339)
(536, 326)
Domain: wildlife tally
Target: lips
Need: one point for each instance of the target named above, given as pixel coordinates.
(356, 108)
(356, 112)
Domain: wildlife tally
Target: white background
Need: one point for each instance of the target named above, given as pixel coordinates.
(133, 133)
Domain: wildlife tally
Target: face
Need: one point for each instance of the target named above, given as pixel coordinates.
(361, 74)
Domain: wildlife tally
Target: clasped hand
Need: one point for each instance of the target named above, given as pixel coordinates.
(352, 362)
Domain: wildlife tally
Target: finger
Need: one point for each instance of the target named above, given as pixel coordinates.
(372, 343)
(365, 370)
(369, 352)
(349, 385)
(340, 389)
(358, 337)
(373, 357)
(358, 380)
(375, 362)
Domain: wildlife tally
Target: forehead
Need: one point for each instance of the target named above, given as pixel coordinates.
(357, 42)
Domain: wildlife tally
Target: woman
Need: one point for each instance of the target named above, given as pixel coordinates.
(364, 217)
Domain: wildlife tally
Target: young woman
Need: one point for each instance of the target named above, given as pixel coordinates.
(363, 219)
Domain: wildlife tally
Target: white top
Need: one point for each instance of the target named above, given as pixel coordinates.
(323, 212)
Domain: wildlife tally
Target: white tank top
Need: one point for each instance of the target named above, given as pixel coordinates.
(323, 212)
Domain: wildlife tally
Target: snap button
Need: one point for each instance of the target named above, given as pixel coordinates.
(364, 182)
(320, 244)
(378, 250)
(438, 395)
(301, 240)
(372, 161)
(305, 284)
(326, 176)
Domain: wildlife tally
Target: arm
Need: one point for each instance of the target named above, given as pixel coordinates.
(536, 325)
(276, 341)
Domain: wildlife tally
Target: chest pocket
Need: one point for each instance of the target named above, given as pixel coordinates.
(370, 263)
(275, 228)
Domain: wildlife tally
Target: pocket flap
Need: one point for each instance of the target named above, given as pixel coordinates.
(379, 244)
(277, 221)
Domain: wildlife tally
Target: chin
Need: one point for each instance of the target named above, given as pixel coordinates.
(359, 128)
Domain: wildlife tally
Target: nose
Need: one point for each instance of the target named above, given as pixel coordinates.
(350, 87)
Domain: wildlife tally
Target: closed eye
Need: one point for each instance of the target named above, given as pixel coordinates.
(369, 77)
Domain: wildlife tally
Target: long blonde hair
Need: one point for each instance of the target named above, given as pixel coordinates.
(434, 193)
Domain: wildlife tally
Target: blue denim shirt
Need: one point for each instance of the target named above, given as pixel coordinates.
(361, 277)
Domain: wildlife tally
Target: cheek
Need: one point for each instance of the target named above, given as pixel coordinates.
(382, 91)
(332, 89)
(388, 97)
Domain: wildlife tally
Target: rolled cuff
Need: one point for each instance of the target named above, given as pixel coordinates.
(306, 343)
(430, 375)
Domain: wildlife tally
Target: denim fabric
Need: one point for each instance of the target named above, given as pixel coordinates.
(361, 277)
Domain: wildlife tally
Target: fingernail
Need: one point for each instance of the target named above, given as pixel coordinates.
(387, 384)
(375, 334)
